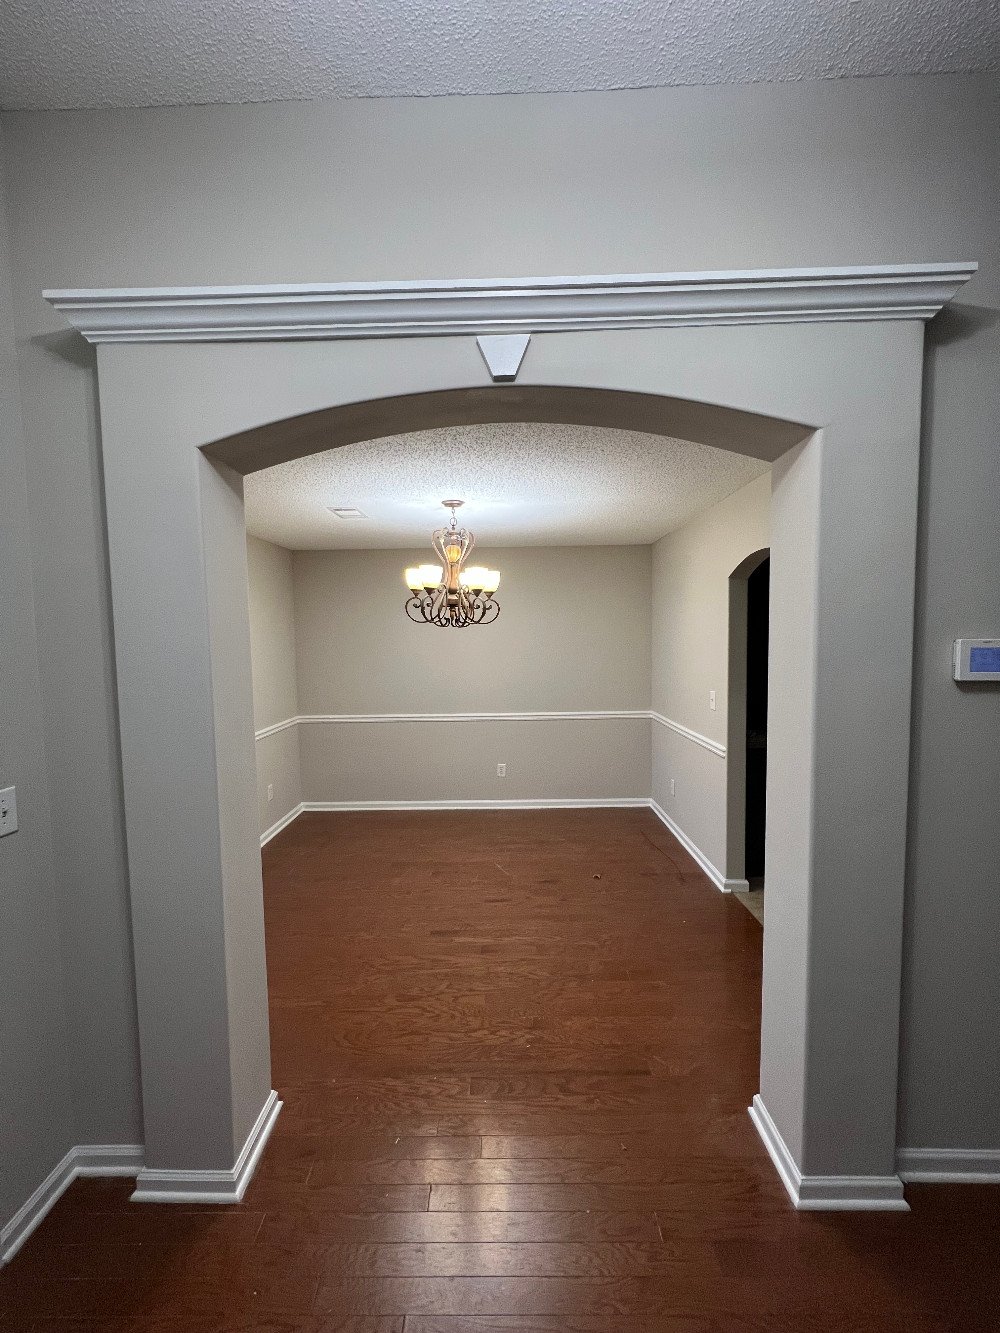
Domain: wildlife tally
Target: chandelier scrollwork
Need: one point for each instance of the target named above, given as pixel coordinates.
(452, 594)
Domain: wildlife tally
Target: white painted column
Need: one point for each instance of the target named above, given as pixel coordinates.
(178, 571)
(844, 513)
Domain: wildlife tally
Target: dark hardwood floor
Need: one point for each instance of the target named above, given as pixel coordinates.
(516, 1051)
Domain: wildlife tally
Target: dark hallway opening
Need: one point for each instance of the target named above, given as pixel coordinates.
(758, 590)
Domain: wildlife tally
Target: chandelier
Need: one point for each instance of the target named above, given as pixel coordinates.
(449, 593)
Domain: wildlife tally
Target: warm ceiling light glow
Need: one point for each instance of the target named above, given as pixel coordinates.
(422, 576)
(450, 594)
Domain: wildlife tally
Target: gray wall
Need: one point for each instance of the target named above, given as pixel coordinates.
(36, 1111)
(691, 569)
(806, 173)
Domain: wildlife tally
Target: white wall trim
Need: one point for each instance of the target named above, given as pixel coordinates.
(153, 1186)
(510, 305)
(952, 1166)
(712, 871)
(275, 727)
(335, 719)
(528, 803)
(705, 742)
(826, 1193)
(88, 1159)
(281, 823)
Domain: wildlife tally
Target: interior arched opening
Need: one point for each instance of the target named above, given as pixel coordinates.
(367, 746)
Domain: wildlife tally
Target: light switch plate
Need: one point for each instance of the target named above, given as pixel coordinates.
(8, 811)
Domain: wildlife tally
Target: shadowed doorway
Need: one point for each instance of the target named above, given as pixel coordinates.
(758, 589)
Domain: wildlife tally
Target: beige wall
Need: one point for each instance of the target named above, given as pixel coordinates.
(549, 761)
(844, 171)
(272, 632)
(691, 569)
(275, 693)
(572, 636)
(690, 648)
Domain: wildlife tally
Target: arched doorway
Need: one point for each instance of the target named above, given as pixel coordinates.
(833, 404)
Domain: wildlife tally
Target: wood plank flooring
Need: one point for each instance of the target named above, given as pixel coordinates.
(516, 1051)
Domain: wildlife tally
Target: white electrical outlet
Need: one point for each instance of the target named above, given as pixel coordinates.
(501, 770)
(8, 811)
(711, 700)
(673, 787)
(270, 791)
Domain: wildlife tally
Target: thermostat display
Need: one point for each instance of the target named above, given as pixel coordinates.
(977, 659)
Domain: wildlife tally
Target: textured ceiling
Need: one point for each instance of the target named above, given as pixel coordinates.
(72, 53)
(524, 485)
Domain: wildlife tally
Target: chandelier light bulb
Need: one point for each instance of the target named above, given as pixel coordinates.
(474, 577)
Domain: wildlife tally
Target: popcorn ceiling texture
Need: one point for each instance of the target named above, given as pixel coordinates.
(523, 484)
(66, 53)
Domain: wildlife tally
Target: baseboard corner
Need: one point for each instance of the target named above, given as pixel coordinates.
(200, 1186)
(86, 1159)
(281, 823)
(692, 849)
(825, 1193)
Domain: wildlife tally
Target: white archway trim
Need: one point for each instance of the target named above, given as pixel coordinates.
(510, 305)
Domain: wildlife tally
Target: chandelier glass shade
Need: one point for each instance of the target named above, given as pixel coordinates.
(452, 593)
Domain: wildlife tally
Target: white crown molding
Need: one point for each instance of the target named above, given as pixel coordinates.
(952, 1166)
(826, 1193)
(705, 742)
(88, 1159)
(154, 1186)
(510, 305)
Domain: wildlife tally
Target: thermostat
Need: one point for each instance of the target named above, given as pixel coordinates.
(977, 659)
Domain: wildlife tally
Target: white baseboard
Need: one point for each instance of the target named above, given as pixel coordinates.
(713, 872)
(826, 1193)
(540, 803)
(949, 1166)
(534, 803)
(283, 822)
(88, 1159)
(153, 1186)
